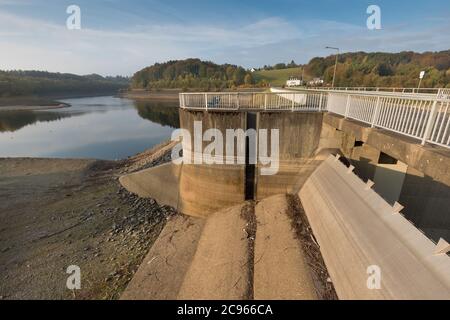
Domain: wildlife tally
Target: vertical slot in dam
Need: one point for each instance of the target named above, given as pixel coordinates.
(250, 168)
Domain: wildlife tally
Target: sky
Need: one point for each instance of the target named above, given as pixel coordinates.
(121, 37)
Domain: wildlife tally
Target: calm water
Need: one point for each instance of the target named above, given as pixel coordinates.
(99, 127)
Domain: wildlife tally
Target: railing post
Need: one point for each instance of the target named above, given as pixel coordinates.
(320, 102)
(347, 106)
(237, 99)
(206, 101)
(430, 123)
(293, 101)
(265, 101)
(376, 112)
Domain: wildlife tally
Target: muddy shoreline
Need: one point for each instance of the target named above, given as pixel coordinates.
(162, 95)
(171, 95)
(55, 213)
(34, 108)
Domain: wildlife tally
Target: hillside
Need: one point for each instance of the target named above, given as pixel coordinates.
(191, 74)
(56, 85)
(384, 69)
(277, 77)
(377, 69)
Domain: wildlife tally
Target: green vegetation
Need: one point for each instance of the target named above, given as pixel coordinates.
(276, 77)
(360, 69)
(384, 69)
(56, 85)
(191, 74)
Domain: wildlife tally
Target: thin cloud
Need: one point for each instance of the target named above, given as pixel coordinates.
(29, 43)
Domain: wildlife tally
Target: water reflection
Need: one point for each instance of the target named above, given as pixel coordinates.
(164, 113)
(100, 127)
(11, 121)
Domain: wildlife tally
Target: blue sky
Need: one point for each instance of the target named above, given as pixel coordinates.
(121, 37)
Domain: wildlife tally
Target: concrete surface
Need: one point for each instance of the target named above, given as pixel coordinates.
(280, 271)
(357, 229)
(159, 183)
(425, 189)
(162, 272)
(205, 189)
(431, 160)
(219, 269)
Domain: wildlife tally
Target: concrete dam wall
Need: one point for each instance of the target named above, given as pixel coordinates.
(200, 189)
(205, 188)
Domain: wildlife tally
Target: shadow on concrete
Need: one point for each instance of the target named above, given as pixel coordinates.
(426, 201)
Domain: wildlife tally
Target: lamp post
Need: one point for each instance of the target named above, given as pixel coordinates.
(335, 64)
(421, 75)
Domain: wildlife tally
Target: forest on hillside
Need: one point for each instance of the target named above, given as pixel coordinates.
(355, 69)
(384, 69)
(47, 84)
(192, 74)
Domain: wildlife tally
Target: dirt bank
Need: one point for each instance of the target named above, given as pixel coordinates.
(161, 95)
(33, 108)
(55, 213)
(171, 95)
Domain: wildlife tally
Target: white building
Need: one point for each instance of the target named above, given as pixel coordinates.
(316, 82)
(294, 82)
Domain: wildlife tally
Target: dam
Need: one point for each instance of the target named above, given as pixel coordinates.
(371, 170)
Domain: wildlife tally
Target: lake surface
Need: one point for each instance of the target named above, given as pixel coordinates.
(96, 127)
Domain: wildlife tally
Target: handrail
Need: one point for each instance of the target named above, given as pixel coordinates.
(383, 89)
(425, 117)
(239, 101)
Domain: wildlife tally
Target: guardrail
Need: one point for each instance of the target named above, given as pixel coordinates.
(423, 118)
(383, 89)
(232, 101)
(420, 116)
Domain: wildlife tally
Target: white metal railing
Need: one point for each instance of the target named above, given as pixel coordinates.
(383, 89)
(422, 116)
(279, 101)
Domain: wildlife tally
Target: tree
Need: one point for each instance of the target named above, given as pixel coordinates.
(230, 72)
(239, 75)
(292, 64)
(279, 66)
(248, 79)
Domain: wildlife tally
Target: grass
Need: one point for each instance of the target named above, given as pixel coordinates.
(277, 77)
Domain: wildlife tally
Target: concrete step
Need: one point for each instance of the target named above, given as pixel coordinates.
(239, 253)
(162, 272)
(220, 268)
(280, 268)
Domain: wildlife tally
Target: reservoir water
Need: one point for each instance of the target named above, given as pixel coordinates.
(95, 127)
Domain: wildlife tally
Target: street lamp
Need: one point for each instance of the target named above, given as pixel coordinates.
(421, 75)
(335, 65)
